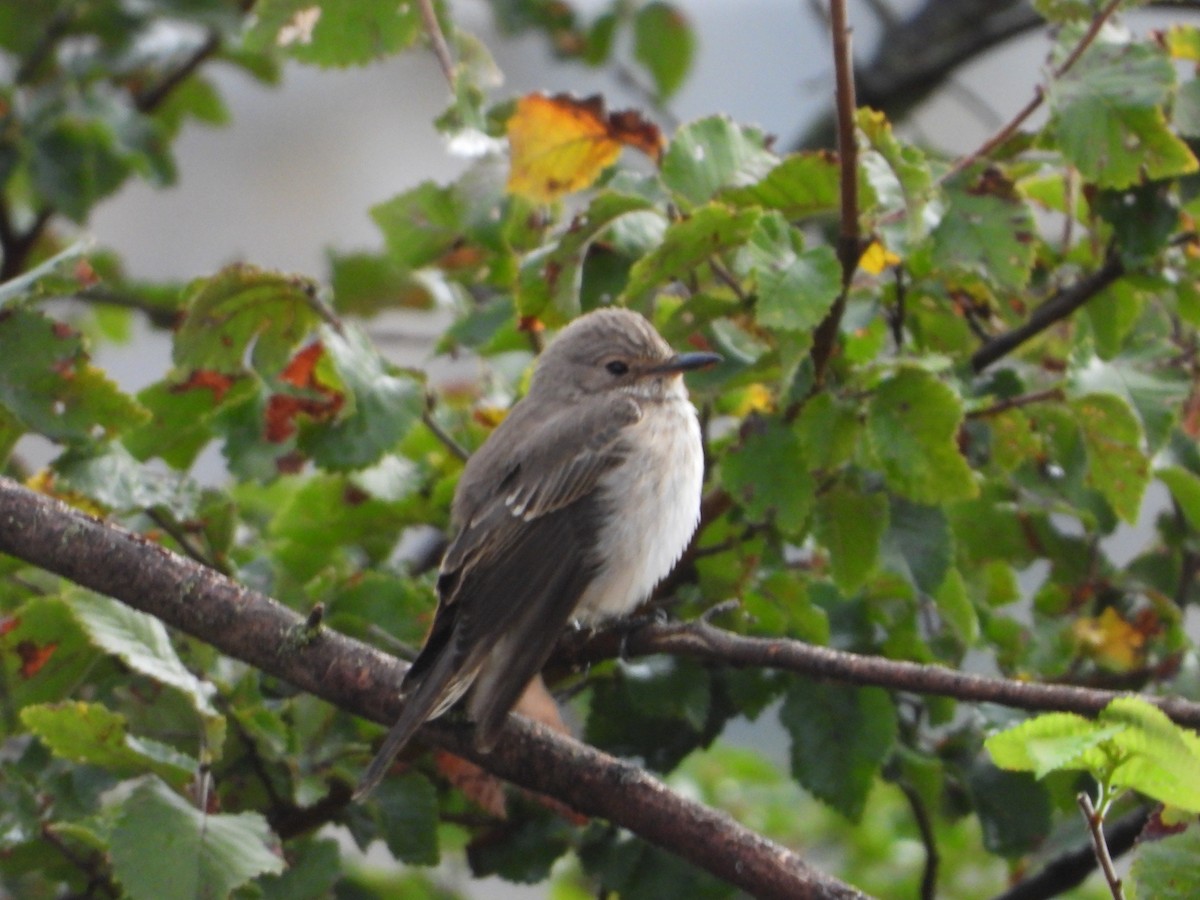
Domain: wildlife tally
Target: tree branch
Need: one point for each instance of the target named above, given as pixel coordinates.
(1053, 310)
(700, 640)
(150, 99)
(848, 245)
(249, 626)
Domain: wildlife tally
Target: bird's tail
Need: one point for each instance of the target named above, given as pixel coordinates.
(436, 692)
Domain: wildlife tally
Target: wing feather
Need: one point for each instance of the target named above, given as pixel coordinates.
(528, 512)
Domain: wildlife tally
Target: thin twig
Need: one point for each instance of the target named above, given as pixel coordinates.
(1095, 823)
(1073, 867)
(1046, 396)
(1039, 95)
(1053, 310)
(447, 440)
(150, 99)
(928, 839)
(701, 641)
(437, 40)
(726, 277)
(180, 537)
(849, 241)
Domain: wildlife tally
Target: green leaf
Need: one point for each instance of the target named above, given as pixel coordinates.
(1066, 10)
(955, 607)
(325, 515)
(898, 173)
(1117, 466)
(82, 146)
(1155, 392)
(142, 642)
(803, 185)
(850, 524)
(1185, 488)
(709, 231)
(796, 287)
(420, 225)
(660, 711)
(1052, 742)
(988, 230)
(1143, 220)
(1013, 441)
(113, 478)
(769, 476)
(344, 33)
(1185, 112)
(1156, 757)
(913, 422)
(918, 544)
(44, 653)
(663, 42)
(165, 849)
(1013, 808)
(315, 867)
(1131, 744)
(93, 734)
(244, 310)
(524, 851)
(1165, 869)
(840, 737)
(714, 153)
(48, 384)
(408, 818)
(183, 417)
(636, 870)
(1109, 119)
(381, 405)
(550, 277)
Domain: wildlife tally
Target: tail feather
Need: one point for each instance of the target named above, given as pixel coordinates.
(430, 697)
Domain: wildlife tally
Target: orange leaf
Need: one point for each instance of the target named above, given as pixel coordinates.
(484, 790)
(216, 382)
(561, 144)
(33, 657)
(299, 370)
(282, 409)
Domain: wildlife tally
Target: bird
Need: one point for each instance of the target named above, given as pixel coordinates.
(571, 512)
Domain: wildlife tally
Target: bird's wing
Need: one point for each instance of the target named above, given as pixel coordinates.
(517, 567)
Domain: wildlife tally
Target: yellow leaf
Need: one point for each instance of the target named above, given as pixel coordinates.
(755, 398)
(1110, 640)
(43, 481)
(876, 258)
(561, 144)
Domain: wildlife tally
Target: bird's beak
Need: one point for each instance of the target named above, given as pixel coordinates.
(685, 362)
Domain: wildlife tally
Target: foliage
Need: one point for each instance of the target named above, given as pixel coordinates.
(902, 496)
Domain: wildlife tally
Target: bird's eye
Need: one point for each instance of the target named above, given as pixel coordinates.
(617, 367)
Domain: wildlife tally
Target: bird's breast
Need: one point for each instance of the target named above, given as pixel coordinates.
(651, 509)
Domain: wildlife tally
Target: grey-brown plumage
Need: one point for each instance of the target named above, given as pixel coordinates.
(573, 509)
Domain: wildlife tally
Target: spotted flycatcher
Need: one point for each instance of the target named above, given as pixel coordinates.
(576, 506)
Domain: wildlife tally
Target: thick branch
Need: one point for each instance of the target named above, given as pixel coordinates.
(703, 641)
(359, 679)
